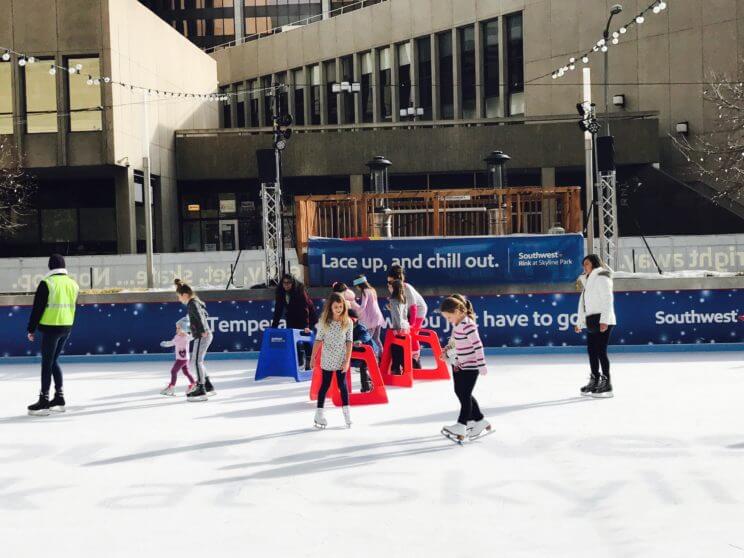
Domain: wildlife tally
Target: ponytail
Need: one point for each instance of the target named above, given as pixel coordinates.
(457, 302)
(184, 289)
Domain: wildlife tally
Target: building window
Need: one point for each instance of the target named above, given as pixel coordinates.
(268, 100)
(226, 108)
(6, 98)
(405, 99)
(253, 104)
(241, 97)
(331, 97)
(423, 46)
(41, 98)
(85, 100)
(59, 226)
(386, 84)
(283, 93)
(446, 84)
(97, 224)
(347, 74)
(491, 68)
(315, 88)
(367, 92)
(515, 64)
(467, 71)
(299, 97)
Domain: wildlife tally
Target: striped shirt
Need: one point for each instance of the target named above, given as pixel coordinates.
(468, 346)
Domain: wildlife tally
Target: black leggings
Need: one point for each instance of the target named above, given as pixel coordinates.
(52, 343)
(596, 345)
(464, 385)
(340, 381)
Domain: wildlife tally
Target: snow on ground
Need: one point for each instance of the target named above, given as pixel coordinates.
(656, 471)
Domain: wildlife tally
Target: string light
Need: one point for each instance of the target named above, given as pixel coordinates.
(602, 45)
(52, 70)
(6, 56)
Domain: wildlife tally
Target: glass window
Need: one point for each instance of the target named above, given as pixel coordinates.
(386, 83)
(192, 236)
(59, 225)
(268, 100)
(85, 100)
(97, 224)
(331, 97)
(367, 92)
(28, 230)
(6, 98)
(446, 85)
(347, 74)
(283, 93)
(404, 75)
(228, 205)
(515, 63)
(491, 68)
(226, 108)
(315, 94)
(191, 206)
(423, 45)
(241, 97)
(299, 97)
(467, 70)
(253, 104)
(41, 98)
(211, 235)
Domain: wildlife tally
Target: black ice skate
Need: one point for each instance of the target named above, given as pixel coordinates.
(604, 389)
(41, 407)
(209, 388)
(199, 394)
(591, 386)
(57, 405)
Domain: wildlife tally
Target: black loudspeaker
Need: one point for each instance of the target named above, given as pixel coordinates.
(606, 153)
(266, 165)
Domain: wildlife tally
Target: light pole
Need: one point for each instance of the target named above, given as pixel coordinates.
(381, 217)
(615, 10)
(496, 175)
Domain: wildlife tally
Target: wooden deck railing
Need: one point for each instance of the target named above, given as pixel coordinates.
(461, 212)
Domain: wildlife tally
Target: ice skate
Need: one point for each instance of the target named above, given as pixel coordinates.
(320, 420)
(209, 388)
(191, 388)
(479, 428)
(57, 405)
(456, 432)
(603, 390)
(168, 390)
(40, 408)
(591, 386)
(198, 394)
(347, 416)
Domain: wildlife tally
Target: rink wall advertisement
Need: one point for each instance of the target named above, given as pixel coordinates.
(524, 320)
(449, 261)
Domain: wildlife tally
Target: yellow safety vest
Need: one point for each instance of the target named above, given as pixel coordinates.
(60, 309)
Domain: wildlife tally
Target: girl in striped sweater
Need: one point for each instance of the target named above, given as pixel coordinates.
(469, 363)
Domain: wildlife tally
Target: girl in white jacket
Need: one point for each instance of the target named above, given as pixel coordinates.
(597, 315)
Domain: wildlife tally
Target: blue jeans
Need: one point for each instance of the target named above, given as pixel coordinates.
(52, 343)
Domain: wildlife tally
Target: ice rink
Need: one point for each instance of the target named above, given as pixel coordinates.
(656, 471)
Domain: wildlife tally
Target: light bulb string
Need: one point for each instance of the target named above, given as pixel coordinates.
(657, 6)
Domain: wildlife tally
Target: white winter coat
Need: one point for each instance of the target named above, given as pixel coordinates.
(597, 297)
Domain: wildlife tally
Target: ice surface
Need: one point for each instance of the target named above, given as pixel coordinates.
(656, 471)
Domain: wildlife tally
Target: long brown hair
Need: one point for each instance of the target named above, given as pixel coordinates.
(396, 272)
(326, 318)
(458, 303)
(399, 292)
(469, 310)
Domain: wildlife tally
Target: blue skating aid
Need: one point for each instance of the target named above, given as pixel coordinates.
(278, 356)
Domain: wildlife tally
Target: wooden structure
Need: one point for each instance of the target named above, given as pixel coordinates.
(461, 212)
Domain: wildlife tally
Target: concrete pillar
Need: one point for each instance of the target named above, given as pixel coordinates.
(357, 63)
(323, 96)
(341, 99)
(326, 7)
(306, 88)
(239, 22)
(126, 218)
(356, 183)
(549, 207)
(376, 97)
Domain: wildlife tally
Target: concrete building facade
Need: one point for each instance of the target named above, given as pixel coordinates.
(84, 143)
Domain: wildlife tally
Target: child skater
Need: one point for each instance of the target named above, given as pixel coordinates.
(361, 336)
(416, 310)
(181, 342)
(470, 361)
(334, 341)
(370, 315)
(346, 293)
(198, 320)
(399, 318)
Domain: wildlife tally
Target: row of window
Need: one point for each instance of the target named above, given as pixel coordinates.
(38, 84)
(253, 107)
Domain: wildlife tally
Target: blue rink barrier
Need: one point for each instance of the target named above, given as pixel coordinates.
(508, 323)
(278, 356)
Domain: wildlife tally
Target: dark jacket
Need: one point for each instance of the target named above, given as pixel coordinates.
(41, 298)
(197, 317)
(362, 335)
(300, 310)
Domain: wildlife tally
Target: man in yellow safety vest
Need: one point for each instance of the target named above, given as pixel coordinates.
(53, 314)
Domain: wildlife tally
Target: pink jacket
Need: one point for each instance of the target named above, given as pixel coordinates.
(181, 342)
(369, 310)
(350, 298)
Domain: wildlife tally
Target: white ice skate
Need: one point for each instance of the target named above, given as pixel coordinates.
(479, 428)
(320, 420)
(347, 416)
(168, 390)
(456, 432)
